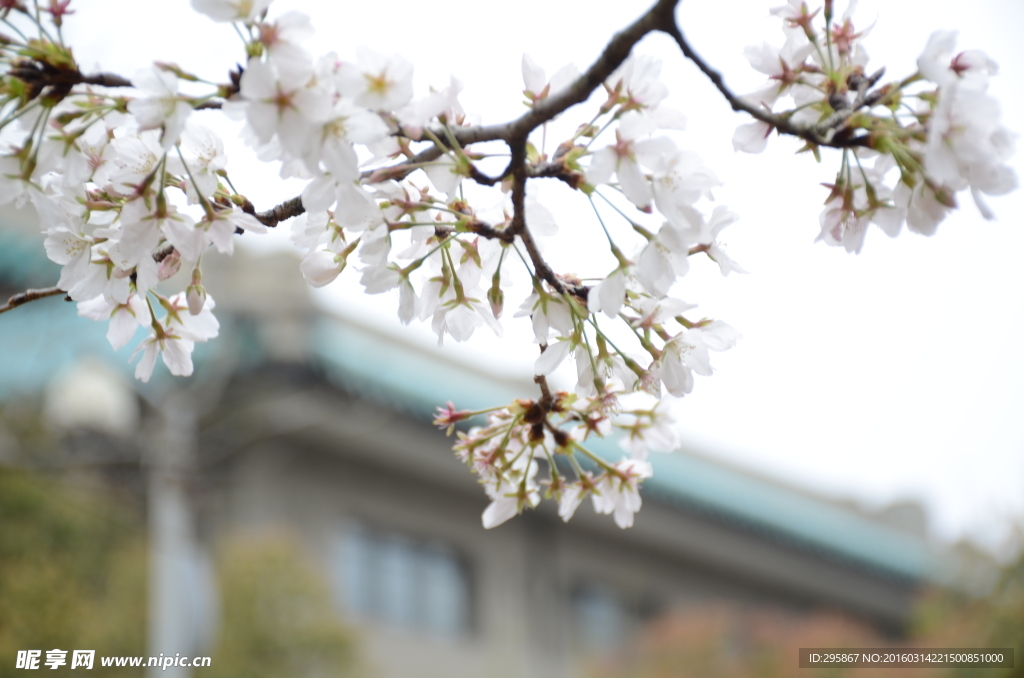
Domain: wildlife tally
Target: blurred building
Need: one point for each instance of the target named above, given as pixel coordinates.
(321, 425)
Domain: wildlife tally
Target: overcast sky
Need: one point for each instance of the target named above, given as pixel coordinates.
(890, 375)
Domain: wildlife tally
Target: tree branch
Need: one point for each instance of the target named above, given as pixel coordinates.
(515, 132)
(556, 170)
(278, 213)
(30, 295)
(661, 16)
(614, 53)
(58, 81)
(546, 399)
(820, 135)
(105, 80)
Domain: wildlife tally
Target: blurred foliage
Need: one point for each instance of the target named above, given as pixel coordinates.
(997, 620)
(724, 640)
(73, 576)
(73, 573)
(277, 616)
(763, 643)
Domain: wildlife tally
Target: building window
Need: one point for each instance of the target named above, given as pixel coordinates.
(606, 618)
(602, 621)
(407, 583)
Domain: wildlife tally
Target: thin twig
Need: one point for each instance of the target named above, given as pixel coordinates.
(546, 399)
(812, 134)
(30, 295)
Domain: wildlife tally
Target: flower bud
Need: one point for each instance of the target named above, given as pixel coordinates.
(169, 265)
(322, 267)
(496, 297)
(195, 293)
(446, 417)
(196, 296)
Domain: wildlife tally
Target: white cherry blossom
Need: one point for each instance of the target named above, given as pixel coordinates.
(282, 108)
(231, 10)
(203, 153)
(548, 312)
(283, 38)
(687, 353)
(536, 83)
(618, 491)
(175, 351)
(162, 108)
(376, 81)
(129, 189)
(125, 319)
(609, 294)
(751, 137)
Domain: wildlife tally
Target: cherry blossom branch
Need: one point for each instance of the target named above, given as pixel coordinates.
(30, 295)
(660, 17)
(41, 74)
(105, 80)
(291, 207)
(278, 213)
(487, 231)
(163, 253)
(546, 399)
(515, 134)
(541, 267)
(371, 101)
(556, 170)
(401, 170)
(865, 99)
(824, 134)
(614, 53)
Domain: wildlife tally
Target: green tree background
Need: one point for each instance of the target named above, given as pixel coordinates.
(73, 576)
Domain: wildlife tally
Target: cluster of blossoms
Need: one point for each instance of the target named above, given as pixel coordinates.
(908, 146)
(127, 190)
(131, 190)
(507, 454)
(448, 258)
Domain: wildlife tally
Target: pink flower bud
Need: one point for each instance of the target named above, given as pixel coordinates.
(169, 266)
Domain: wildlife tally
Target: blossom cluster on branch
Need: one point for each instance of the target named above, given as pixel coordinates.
(130, 189)
(927, 137)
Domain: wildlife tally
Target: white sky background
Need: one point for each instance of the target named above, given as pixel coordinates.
(894, 374)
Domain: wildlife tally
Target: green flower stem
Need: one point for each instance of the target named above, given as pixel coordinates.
(594, 458)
